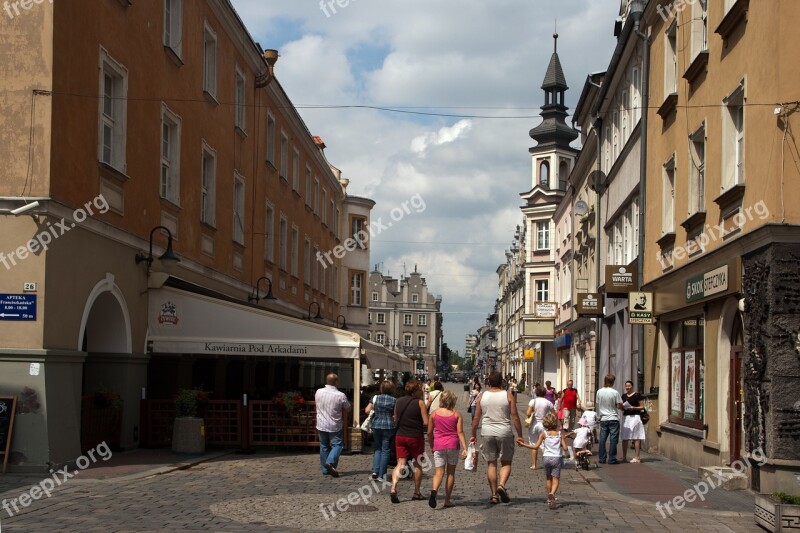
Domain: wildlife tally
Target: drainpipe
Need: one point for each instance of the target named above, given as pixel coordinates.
(642, 177)
(598, 128)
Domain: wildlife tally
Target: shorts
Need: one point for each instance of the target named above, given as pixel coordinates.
(552, 466)
(409, 447)
(494, 448)
(441, 458)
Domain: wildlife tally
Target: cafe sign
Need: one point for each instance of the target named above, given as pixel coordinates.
(707, 284)
(545, 309)
(620, 279)
(589, 304)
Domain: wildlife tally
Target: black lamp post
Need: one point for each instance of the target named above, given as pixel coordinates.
(344, 322)
(315, 317)
(255, 296)
(168, 255)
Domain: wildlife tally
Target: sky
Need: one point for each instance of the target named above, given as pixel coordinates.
(462, 82)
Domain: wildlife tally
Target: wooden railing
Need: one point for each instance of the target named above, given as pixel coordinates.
(100, 423)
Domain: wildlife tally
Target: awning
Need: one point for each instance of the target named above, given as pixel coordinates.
(380, 357)
(190, 323)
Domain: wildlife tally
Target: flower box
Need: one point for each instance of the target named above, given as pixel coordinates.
(773, 515)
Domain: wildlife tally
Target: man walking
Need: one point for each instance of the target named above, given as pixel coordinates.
(496, 411)
(608, 400)
(332, 406)
(570, 403)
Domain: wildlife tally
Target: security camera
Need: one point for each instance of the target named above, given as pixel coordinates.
(24, 209)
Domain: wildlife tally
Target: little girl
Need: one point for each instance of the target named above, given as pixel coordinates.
(553, 442)
(446, 433)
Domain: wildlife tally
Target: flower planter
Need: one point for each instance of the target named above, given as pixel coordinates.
(773, 515)
(188, 436)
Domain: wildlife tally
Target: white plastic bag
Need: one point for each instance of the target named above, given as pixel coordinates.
(471, 462)
(367, 424)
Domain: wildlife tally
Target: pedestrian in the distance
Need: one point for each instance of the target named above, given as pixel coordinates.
(434, 397)
(382, 428)
(332, 406)
(608, 400)
(473, 397)
(410, 416)
(549, 392)
(446, 436)
(570, 402)
(553, 442)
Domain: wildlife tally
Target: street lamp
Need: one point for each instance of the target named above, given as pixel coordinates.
(255, 296)
(315, 317)
(168, 255)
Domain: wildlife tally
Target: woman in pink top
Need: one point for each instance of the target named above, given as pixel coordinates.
(446, 433)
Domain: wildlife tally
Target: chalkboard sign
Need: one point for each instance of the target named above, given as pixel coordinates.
(8, 406)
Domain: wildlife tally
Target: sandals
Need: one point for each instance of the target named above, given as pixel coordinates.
(394, 497)
(432, 500)
(494, 500)
(417, 496)
(501, 491)
(551, 501)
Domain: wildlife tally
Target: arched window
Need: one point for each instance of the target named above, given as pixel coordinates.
(544, 174)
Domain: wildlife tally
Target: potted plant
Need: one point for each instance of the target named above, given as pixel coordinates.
(777, 511)
(293, 401)
(188, 432)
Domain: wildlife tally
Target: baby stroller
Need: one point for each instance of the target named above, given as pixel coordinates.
(583, 450)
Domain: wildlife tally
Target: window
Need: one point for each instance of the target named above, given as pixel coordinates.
(422, 320)
(407, 319)
(356, 283)
(330, 215)
(543, 235)
(317, 275)
(542, 290)
(407, 340)
(284, 242)
(381, 318)
(544, 174)
(113, 112)
(380, 338)
(607, 145)
(208, 187)
(421, 341)
(615, 135)
(374, 296)
(295, 250)
(269, 234)
(210, 61)
(238, 208)
(636, 92)
(699, 27)
(284, 173)
(308, 186)
(625, 110)
(635, 221)
(668, 197)
(686, 338)
(324, 215)
(307, 261)
(240, 96)
(415, 298)
(296, 170)
(173, 15)
(627, 238)
(733, 142)
(334, 278)
(270, 138)
(618, 241)
(358, 231)
(316, 195)
(170, 155)
(697, 170)
(336, 223)
(671, 60)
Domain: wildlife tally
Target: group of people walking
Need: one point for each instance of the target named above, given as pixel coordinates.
(408, 419)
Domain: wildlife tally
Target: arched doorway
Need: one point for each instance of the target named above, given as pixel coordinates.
(736, 396)
(106, 338)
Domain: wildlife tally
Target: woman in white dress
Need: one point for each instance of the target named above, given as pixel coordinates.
(632, 427)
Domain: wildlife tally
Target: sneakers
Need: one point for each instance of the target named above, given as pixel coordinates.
(636, 460)
(374, 475)
(551, 501)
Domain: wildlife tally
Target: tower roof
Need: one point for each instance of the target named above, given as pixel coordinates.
(555, 79)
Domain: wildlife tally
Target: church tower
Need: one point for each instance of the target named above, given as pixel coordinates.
(553, 157)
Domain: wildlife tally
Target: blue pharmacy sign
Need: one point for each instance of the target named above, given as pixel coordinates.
(17, 307)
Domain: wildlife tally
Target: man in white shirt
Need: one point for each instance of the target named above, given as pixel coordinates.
(608, 400)
(332, 405)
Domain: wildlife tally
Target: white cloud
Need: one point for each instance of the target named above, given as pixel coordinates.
(445, 135)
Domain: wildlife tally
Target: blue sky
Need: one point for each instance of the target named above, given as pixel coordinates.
(469, 58)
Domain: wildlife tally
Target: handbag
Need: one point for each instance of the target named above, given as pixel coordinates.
(644, 416)
(366, 425)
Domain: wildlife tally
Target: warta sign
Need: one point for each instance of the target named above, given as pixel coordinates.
(621, 279)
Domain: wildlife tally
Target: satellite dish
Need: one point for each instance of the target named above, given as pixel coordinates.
(581, 208)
